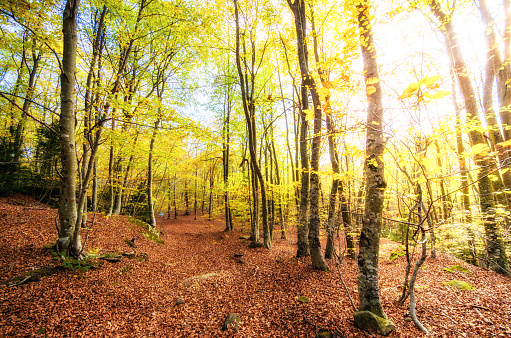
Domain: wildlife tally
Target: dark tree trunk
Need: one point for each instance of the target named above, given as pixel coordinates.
(317, 259)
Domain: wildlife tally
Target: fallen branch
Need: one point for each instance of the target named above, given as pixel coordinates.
(23, 281)
(480, 307)
(343, 283)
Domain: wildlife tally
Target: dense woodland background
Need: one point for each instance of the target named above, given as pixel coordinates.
(343, 119)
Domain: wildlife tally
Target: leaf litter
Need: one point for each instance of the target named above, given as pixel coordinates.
(199, 266)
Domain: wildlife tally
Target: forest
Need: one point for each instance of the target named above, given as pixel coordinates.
(162, 154)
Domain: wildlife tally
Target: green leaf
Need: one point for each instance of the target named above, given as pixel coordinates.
(303, 299)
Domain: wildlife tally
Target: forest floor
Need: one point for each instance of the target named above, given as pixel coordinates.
(196, 266)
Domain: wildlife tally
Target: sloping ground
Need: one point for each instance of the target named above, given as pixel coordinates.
(197, 265)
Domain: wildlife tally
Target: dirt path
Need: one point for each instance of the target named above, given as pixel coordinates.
(198, 266)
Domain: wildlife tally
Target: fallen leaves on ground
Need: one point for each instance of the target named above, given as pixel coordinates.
(188, 285)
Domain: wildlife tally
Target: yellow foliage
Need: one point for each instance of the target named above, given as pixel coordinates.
(309, 114)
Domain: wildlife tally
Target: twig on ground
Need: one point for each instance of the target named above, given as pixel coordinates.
(342, 280)
(486, 320)
(87, 236)
(480, 307)
(257, 268)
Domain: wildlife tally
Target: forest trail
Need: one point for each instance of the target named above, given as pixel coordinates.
(199, 267)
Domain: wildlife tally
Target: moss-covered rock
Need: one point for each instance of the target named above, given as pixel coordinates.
(150, 233)
(367, 320)
(460, 285)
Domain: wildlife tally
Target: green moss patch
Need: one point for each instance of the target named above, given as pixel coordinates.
(303, 299)
(457, 268)
(32, 276)
(460, 285)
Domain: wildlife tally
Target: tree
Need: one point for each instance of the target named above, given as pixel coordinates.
(247, 82)
(496, 253)
(69, 242)
(369, 244)
(308, 84)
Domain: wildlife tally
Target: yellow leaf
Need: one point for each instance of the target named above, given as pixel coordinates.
(440, 94)
(309, 114)
(504, 144)
(370, 90)
(372, 80)
(323, 91)
(429, 81)
(410, 90)
(493, 178)
(480, 149)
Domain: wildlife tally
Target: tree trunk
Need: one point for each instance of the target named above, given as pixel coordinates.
(67, 243)
(249, 111)
(187, 212)
(111, 175)
(225, 156)
(20, 129)
(150, 203)
(175, 198)
(303, 245)
(369, 244)
(211, 182)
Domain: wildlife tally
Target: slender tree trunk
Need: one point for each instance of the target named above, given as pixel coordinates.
(187, 212)
(111, 180)
(150, 203)
(303, 245)
(225, 157)
(175, 198)
(211, 182)
(369, 244)
(20, 129)
(195, 195)
(95, 188)
(249, 110)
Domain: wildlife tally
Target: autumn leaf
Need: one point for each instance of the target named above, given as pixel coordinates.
(370, 90)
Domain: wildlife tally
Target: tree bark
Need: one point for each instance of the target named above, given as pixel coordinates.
(67, 243)
(368, 289)
(150, 203)
(249, 111)
(225, 155)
